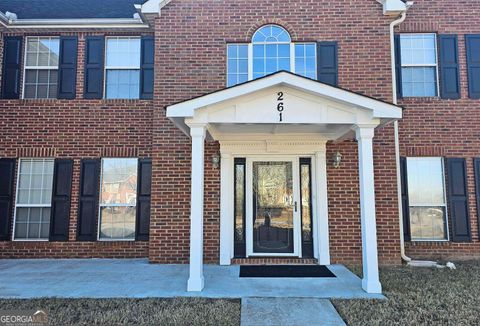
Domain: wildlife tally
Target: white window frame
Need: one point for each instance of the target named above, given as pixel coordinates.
(410, 65)
(100, 205)
(25, 67)
(250, 54)
(17, 205)
(447, 231)
(105, 68)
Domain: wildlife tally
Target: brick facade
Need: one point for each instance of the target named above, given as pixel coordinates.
(190, 60)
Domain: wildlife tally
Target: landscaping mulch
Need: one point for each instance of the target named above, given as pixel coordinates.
(420, 296)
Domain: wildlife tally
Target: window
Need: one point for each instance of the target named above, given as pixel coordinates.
(419, 65)
(41, 67)
(271, 50)
(426, 195)
(118, 199)
(34, 197)
(122, 68)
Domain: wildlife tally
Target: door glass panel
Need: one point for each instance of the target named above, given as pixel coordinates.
(306, 210)
(272, 207)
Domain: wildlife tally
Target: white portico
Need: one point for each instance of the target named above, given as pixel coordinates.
(274, 121)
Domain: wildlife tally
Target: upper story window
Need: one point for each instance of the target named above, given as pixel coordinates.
(419, 65)
(271, 50)
(122, 68)
(41, 67)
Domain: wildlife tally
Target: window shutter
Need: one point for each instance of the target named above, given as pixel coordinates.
(476, 165)
(405, 203)
(94, 61)
(67, 68)
(143, 199)
(398, 67)
(327, 63)
(88, 199)
(473, 65)
(61, 199)
(12, 49)
(7, 170)
(458, 199)
(146, 73)
(449, 70)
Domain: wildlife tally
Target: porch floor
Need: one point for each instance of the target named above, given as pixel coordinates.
(136, 278)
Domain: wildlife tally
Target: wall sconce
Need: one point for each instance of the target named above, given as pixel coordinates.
(337, 159)
(216, 161)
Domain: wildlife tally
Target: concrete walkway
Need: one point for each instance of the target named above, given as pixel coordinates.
(289, 312)
(136, 278)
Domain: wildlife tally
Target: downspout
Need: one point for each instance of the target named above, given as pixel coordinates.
(395, 126)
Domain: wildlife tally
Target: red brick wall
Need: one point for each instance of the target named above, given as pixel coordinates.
(191, 38)
(75, 129)
(190, 61)
(448, 128)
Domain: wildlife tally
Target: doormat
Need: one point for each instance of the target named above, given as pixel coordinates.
(285, 271)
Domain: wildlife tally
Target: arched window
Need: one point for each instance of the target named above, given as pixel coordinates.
(271, 50)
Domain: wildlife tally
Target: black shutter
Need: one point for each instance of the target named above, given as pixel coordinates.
(7, 169)
(143, 199)
(473, 64)
(449, 70)
(94, 60)
(398, 65)
(61, 198)
(405, 202)
(88, 199)
(458, 199)
(476, 165)
(327, 66)
(146, 73)
(67, 68)
(12, 49)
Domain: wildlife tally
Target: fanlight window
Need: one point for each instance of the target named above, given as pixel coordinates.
(271, 50)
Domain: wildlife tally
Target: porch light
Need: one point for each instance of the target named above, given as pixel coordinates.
(216, 161)
(337, 159)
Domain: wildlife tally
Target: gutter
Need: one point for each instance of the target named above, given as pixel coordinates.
(135, 22)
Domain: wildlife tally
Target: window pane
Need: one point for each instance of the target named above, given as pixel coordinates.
(35, 180)
(271, 33)
(419, 81)
(425, 181)
(117, 223)
(41, 83)
(119, 181)
(305, 60)
(123, 84)
(237, 64)
(427, 223)
(32, 223)
(42, 51)
(419, 49)
(123, 52)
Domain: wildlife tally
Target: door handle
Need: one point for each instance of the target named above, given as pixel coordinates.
(295, 207)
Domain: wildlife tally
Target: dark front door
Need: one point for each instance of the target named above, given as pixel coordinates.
(273, 207)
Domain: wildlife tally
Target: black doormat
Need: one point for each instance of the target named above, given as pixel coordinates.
(285, 271)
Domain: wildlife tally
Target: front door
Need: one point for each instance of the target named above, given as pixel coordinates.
(273, 211)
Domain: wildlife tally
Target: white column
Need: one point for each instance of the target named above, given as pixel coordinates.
(195, 281)
(226, 209)
(323, 242)
(371, 281)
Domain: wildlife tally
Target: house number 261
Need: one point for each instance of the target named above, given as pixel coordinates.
(280, 105)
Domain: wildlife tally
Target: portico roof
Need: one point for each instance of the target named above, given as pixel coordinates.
(304, 102)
